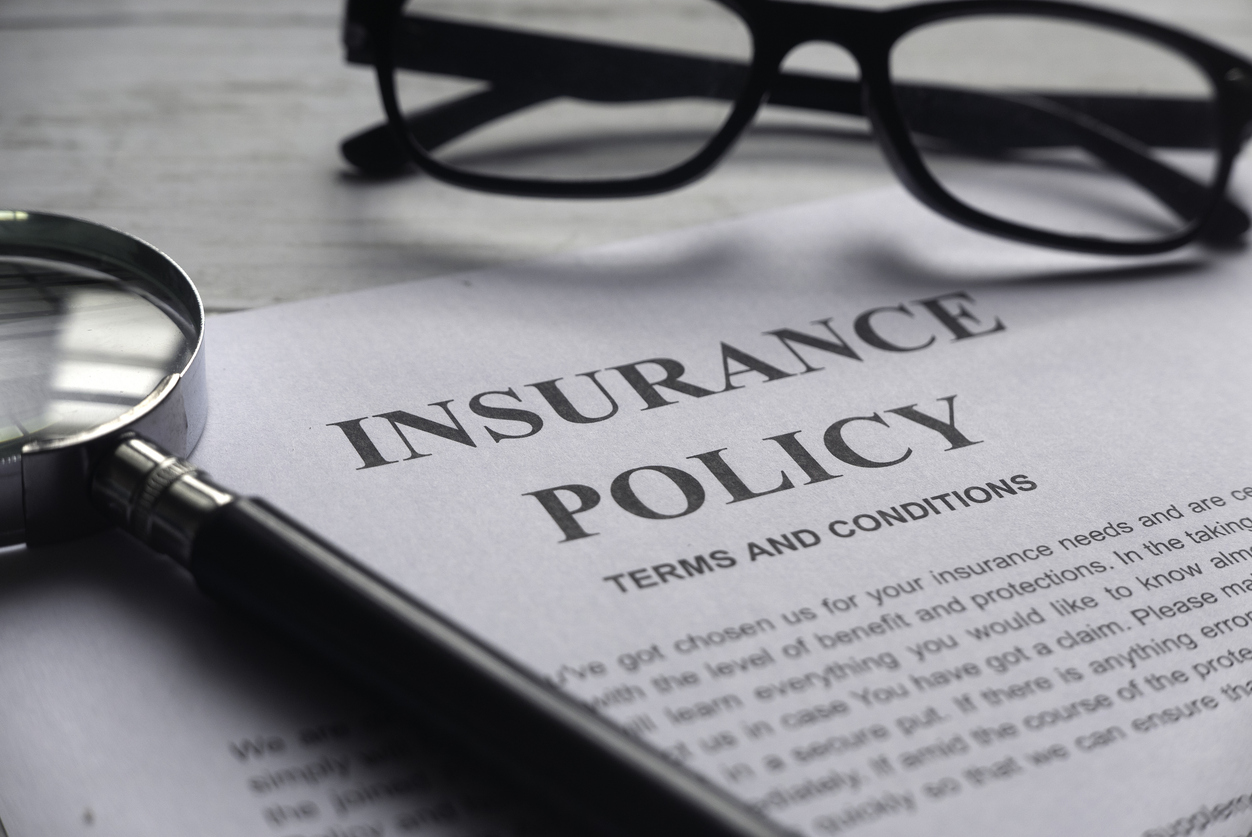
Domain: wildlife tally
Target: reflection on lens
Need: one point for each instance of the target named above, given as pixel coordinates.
(594, 90)
(77, 349)
(1079, 130)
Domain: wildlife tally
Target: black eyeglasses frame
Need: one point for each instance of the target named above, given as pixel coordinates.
(779, 26)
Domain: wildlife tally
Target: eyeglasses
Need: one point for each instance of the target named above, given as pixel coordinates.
(1050, 123)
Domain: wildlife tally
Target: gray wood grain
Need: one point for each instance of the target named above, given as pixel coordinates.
(211, 130)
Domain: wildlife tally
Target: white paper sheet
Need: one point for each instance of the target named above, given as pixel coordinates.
(863, 652)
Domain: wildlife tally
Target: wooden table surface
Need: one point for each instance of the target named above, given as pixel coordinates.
(211, 130)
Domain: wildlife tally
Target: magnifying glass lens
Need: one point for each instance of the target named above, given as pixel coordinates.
(78, 348)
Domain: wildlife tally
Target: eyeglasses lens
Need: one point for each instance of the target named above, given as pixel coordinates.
(629, 88)
(1060, 126)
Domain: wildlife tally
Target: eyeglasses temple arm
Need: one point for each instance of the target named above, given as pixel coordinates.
(376, 151)
(971, 120)
(552, 67)
(1185, 196)
(561, 65)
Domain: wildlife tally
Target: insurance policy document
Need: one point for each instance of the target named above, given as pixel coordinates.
(886, 527)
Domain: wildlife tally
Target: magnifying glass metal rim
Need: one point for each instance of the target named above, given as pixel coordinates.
(45, 485)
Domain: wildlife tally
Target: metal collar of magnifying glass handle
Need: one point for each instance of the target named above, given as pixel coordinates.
(159, 498)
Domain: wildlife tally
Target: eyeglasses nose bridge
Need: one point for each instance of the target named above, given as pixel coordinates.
(858, 32)
(867, 36)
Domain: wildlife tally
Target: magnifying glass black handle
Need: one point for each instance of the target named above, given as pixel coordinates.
(248, 555)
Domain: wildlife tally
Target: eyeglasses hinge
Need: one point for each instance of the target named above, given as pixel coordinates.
(355, 36)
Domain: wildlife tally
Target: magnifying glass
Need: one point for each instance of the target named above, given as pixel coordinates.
(102, 394)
